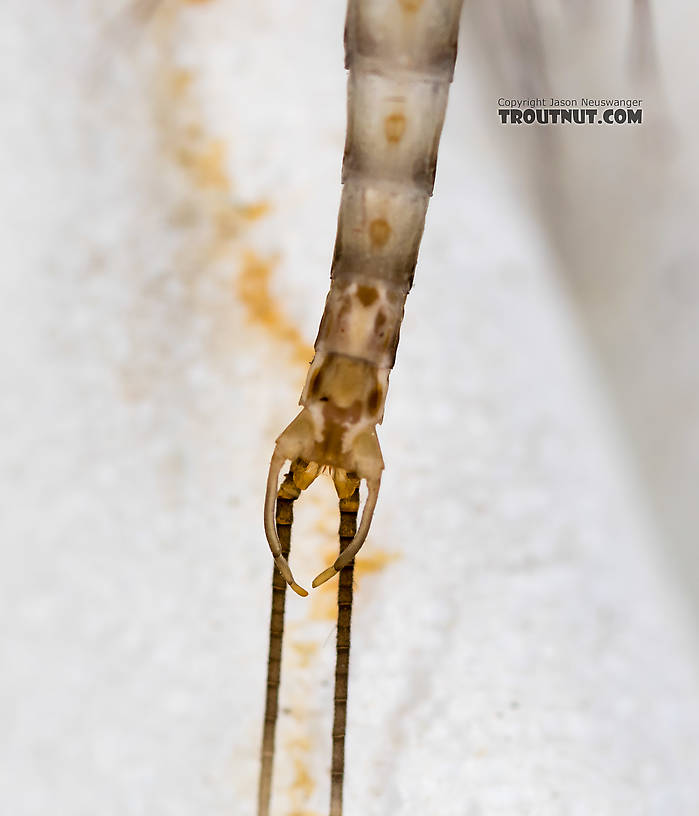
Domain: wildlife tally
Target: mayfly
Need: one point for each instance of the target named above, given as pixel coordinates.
(400, 55)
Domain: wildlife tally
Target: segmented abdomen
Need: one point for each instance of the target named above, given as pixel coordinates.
(400, 54)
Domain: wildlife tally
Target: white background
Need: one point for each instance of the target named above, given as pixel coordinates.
(524, 637)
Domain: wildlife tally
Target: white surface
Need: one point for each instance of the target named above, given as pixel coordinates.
(524, 652)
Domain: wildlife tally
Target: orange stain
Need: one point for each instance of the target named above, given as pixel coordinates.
(324, 598)
(203, 160)
(181, 80)
(410, 6)
(208, 166)
(305, 652)
(254, 293)
(302, 785)
(253, 212)
(374, 560)
(192, 132)
(226, 219)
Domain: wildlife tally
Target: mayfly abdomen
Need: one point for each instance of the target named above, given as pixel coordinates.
(401, 58)
(400, 55)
